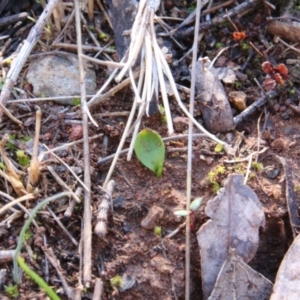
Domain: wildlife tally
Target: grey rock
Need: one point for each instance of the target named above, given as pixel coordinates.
(55, 75)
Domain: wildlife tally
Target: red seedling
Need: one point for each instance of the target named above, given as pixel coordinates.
(276, 74)
(267, 67)
(238, 36)
(278, 78)
(282, 70)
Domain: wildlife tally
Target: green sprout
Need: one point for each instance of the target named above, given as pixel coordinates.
(191, 8)
(193, 207)
(245, 46)
(22, 158)
(219, 45)
(163, 114)
(28, 235)
(219, 148)
(238, 85)
(257, 166)
(213, 177)
(12, 291)
(116, 281)
(76, 101)
(158, 231)
(103, 36)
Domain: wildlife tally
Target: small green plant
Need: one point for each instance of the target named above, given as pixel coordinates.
(219, 148)
(22, 158)
(116, 281)
(219, 45)
(12, 291)
(28, 235)
(238, 85)
(163, 115)
(103, 36)
(10, 145)
(150, 150)
(191, 8)
(158, 231)
(193, 207)
(257, 166)
(213, 177)
(245, 46)
(76, 101)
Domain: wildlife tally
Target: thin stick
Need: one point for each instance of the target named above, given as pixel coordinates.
(84, 47)
(70, 169)
(87, 217)
(62, 226)
(63, 184)
(58, 98)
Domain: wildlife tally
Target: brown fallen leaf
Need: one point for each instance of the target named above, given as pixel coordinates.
(214, 105)
(237, 280)
(236, 215)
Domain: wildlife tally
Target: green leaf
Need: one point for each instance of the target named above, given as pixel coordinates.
(181, 213)
(158, 230)
(195, 204)
(150, 150)
(39, 280)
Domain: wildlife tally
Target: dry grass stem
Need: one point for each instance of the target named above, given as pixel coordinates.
(61, 225)
(87, 215)
(68, 167)
(63, 184)
(16, 201)
(34, 169)
(55, 263)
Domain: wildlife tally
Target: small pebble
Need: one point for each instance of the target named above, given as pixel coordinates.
(238, 99)
(271, 172)
(155, 213)
(162, 265)
(278, 144)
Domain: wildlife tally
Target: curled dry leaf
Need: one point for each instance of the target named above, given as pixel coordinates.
(287, 283)
(236, 215)
(214, 105)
